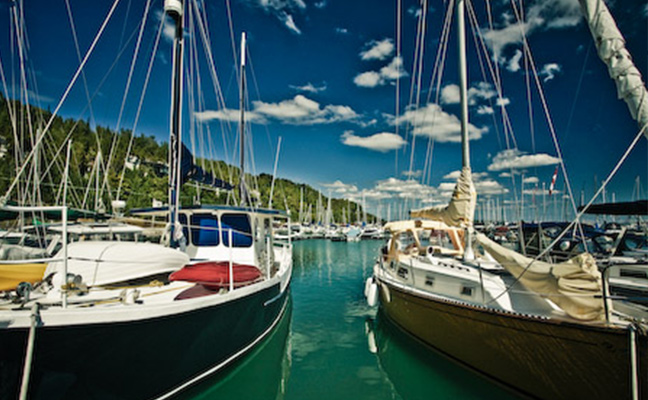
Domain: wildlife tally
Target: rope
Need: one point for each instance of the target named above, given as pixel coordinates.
(58, 107)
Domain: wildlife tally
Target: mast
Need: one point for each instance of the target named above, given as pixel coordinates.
(242, 123)
(174, 8)
(463, 92)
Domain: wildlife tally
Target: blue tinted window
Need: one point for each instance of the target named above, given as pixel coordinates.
(204, 230)
(241, 230)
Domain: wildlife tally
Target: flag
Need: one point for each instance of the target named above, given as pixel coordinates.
(553, 181)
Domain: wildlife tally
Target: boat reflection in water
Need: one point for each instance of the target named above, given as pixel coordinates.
(261, 374)
(418, 372)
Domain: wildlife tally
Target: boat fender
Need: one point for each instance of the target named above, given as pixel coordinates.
(372, 295)
(368, 283)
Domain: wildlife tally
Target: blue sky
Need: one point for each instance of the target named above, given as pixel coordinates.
(323, 76)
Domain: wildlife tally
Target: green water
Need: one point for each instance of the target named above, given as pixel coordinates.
(320, 349)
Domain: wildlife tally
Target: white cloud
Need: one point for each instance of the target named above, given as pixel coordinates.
(454, 175)
(341, 188)
(485, 110)
(503, 102)
(515, 159)
(378, 50)
(229, 115)
(341, 31)
(413, 174)
(299, 110)
(514, 63)
(480, 91)
(405, 188)
(489, 187)
(432, 121)
(309, 87)
(368, 79)
(541, 15)
(531, 180)
(450, 94)
(282, 10)
(549, 71)
(382, 142)
(386, 74)
(320, 4)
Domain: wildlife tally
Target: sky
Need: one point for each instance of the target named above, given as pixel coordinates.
(361, 109)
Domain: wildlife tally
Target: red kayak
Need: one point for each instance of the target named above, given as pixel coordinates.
(215, 275)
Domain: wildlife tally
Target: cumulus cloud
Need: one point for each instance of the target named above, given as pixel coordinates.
(531, 180)
(386, 74)
(541, 15)
(310, 88)
(299, 110)
(229, 115)
(485, 110)
(549, 71)
(477, 93)
(514, 63)
(340, 188)
(515, 159)
(341, 31)
(405, 188)
(450, 94)
(432, 121)
(283, 10)
(378, 50)
(413, 174)
(382, 142)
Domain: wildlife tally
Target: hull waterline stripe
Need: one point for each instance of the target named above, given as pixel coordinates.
(227, 361)
(272, 300)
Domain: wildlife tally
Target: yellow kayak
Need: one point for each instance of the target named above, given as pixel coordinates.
(12, 274)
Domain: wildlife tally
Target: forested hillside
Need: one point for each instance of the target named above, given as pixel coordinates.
(98, 161)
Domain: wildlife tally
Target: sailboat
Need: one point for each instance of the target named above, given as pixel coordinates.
(545, 330)
(134, 320)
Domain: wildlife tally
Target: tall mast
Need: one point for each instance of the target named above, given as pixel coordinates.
(174, 8)
(463, 92)
(242, 123)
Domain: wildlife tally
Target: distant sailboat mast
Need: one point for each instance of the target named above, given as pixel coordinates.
(242, 188)
(174, 8)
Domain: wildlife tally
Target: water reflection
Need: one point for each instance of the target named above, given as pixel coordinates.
(262, 374)
(417, 372)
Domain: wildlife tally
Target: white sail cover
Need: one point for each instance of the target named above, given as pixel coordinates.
(574, 285)
(105, 262)
(611, 49)
(461, 209)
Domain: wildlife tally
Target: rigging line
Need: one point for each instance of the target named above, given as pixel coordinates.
(23, 79)
(230, 21)
(437, 73)
(477, 34)
(419, 75)
(398, 55)
(58, 107)
(126, 91)
(141, 101)
(96, 92)
(576, 221)
(12, 116)
(506, 120)
(78, 52)
(578, 88)
(547, 116)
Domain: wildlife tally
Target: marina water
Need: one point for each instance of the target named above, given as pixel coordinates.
(331, 345)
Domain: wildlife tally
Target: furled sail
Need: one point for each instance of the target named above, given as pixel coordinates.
(611, 49)
(461, 209)
(574, 285)
(189, 170)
